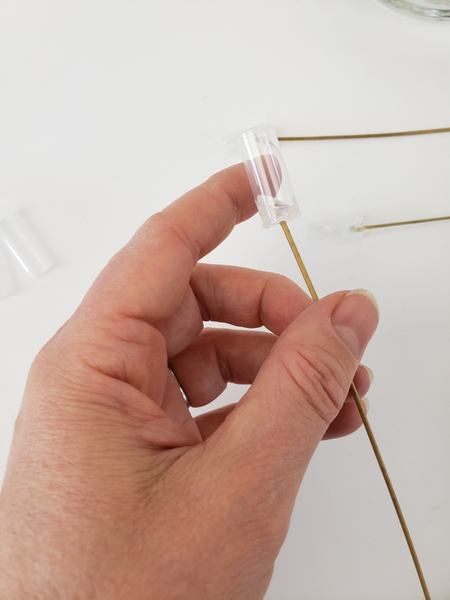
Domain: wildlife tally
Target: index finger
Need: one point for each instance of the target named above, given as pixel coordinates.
(147, 279)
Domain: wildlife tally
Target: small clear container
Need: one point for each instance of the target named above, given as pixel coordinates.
(24, 245)
(7, 286)
(332, 228)
(268, 175)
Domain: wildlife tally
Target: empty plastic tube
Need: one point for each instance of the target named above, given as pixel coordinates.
(335, 228)
(268, 176)
(24, 245)
(7, 286)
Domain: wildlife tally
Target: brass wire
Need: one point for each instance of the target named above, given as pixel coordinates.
(414, 222)
(362, 135)
(374, 135)
(366, 424)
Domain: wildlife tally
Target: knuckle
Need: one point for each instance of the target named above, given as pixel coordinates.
(319, 379)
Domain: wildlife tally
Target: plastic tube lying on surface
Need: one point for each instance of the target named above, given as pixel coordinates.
(24, 245)
(7, 286)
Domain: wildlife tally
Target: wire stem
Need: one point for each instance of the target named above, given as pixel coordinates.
(299, 260)
(366, 424)
(406, 222)
(362, 135)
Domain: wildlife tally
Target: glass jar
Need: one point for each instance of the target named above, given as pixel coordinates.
(431, 9)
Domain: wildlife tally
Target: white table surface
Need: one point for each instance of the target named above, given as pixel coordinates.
(110, 109)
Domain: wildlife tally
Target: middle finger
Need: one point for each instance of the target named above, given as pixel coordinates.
(247, 298)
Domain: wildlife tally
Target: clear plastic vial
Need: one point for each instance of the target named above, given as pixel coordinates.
(268, 175)
(7, 286)
(24, 245)
(334, 228)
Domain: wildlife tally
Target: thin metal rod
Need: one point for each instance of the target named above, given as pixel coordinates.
(406, 222)
(366, 424)
(299, 260)
(391, 490)
(362, 135)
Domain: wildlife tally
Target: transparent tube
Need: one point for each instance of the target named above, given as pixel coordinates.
(334, 228)
(7, 286)
(24, 245)
(268, 175)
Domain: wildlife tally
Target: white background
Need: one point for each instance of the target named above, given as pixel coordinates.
(110, 109)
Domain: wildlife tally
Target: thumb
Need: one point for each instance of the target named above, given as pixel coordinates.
(300, 388)
(249, 470)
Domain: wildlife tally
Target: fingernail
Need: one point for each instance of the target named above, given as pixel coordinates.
(366, 405)
(355, 319)
(369, 372)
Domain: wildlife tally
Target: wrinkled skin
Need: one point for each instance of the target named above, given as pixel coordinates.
(113, 490)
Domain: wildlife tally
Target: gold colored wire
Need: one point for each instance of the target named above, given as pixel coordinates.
(366, 424)
(373, 135)
(362, 135)
(299, 261)
(406, 222)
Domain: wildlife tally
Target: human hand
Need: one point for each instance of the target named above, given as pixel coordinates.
(113, 490)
